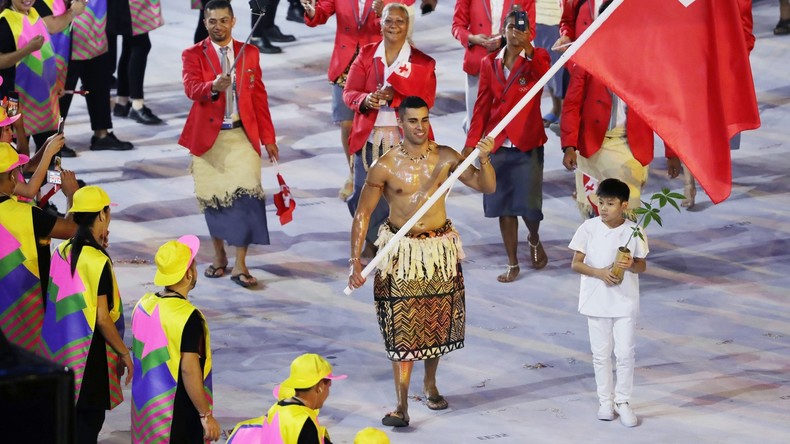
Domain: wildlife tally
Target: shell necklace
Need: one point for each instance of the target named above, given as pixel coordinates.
(419, 158)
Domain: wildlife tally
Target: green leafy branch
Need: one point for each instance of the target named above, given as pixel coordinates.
(648, 212)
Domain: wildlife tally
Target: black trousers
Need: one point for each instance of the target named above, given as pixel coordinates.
(96, 76)
(200, 32)
(89, 422)
(268, 18)
(132, 64)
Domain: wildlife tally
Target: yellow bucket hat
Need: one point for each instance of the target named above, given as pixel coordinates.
(90, 199)
(371, 435)
(174, 258)
(9, 158)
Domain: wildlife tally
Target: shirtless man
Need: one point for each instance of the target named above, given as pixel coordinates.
(419, 296)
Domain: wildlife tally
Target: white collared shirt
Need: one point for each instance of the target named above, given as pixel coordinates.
(386, 115)
(496, 15)
(231, 57)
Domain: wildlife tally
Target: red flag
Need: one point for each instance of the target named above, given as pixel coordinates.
(682, 65)
(412, 79)
(590, 187)
(284, 202)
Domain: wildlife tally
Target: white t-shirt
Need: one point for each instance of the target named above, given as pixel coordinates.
(599, 243)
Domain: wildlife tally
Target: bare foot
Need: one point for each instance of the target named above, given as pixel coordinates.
(509, 275)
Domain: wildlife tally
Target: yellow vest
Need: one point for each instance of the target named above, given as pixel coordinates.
(21, 308)
(157, 331)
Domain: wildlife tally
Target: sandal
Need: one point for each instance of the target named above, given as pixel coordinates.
(509, 275)
(538, 255)
(436, 403)
(783, 27)
(394, 419)
(213, 272)
(249, 282)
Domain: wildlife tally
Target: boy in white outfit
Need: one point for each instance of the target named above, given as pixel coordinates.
(610, 304)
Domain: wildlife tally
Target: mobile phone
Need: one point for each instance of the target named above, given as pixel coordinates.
(53, 172)
(13, 103)
(521, 20)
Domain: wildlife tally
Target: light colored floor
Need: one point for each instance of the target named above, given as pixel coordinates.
(712, 350)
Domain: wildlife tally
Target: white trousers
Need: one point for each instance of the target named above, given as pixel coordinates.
(607, 335)
(470, 93)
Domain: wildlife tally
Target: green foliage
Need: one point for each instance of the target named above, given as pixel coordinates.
(648, 212)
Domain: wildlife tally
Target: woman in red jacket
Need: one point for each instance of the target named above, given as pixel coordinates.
(505, 77)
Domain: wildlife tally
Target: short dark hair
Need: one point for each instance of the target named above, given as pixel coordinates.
(613, 188)
(413, 102)
(218, 4)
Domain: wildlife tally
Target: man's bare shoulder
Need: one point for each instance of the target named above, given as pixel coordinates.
(446, 152)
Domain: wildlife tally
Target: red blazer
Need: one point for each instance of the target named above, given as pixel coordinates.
(351, 33)
(497, 96)
(364, 77)
(201, 66)
(473, 17)
(586, 112)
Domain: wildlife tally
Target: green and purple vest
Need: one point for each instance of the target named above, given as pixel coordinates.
(70, 316)
(21, 310)
(146, 15)
(36, 73)
(61, 42)
(157, 331)
(88, 31)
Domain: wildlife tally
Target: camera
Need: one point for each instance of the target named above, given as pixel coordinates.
(521, 20)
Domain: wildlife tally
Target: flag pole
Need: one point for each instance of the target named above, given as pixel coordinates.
(494, 132)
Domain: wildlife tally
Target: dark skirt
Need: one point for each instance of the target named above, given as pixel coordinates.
(382, 210)
(241, 224)
(519, 184)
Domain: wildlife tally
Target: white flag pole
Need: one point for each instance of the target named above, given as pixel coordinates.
(494, 132)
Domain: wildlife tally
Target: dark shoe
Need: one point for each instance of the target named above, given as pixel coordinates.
(295, 12)
(67, 152)
(394, 419)
(265, 46)
(121, 110)
(245, 280)
(275, 35)
(144, 116)
(782, 28)
(109, 142)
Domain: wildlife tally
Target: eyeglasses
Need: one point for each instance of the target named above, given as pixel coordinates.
(394, 21)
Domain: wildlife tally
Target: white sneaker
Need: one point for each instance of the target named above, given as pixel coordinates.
(606, 411)
(627, 415)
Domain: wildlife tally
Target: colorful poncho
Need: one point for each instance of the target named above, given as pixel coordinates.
(21, 310)
(157, 329)
(36, 73)
(70, 317)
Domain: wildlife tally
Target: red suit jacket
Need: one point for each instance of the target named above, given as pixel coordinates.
(364, 77)
(201, 67)
(351, 31)
(497, 96)
(473, 17)
(586, 112)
